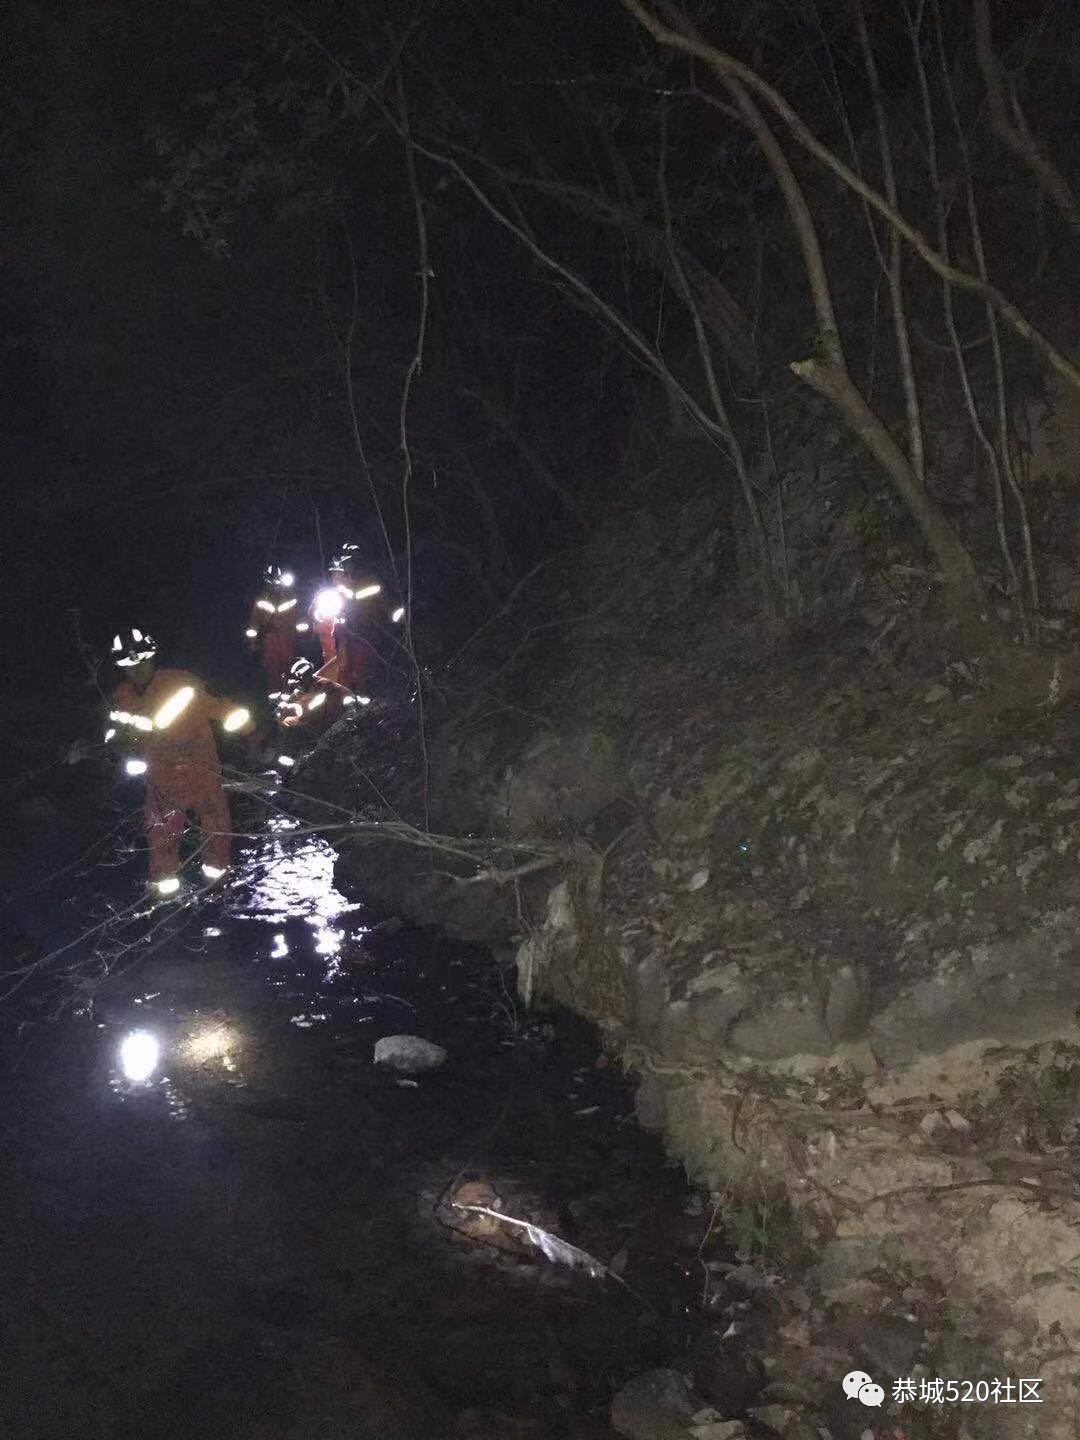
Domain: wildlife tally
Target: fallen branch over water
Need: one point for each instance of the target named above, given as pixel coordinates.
(554, 1248)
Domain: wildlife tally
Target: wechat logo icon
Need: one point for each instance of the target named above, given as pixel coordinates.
(859, 1386)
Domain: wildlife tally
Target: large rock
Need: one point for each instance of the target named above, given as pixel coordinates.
(1022, 988)
(795, 1026)
(562, 778)
(655, 1406)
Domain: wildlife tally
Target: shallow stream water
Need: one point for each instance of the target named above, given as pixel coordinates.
(259, 1238)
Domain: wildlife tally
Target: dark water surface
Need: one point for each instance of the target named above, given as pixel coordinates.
(258, 1240)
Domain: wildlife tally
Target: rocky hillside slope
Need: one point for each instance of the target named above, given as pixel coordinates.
(817, 883)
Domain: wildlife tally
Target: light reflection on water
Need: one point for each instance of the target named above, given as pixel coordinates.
(293, 878)
(288, 887)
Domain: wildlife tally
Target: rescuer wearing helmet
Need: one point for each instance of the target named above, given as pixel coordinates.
(306, 702)
(273, 626)
(162, 718)
(326, 609)
(356, 632)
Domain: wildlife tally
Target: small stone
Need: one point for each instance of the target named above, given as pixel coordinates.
(848, 1259)
(890, 1344)
(698, 880)
(409, 1054)
(774, 1417)
(476, 1192)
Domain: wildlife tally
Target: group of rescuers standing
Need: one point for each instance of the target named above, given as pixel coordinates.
(163, 718)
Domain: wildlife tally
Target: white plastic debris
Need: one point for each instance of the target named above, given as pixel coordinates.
(409, 1054)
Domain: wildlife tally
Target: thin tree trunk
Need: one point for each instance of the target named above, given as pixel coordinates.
(705, 350)
(953, 332)
(728, 68)
(952, 558)
(916, 447)
(830, 378)
(1004, 445)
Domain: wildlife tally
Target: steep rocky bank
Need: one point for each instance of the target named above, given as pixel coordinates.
(818, 887)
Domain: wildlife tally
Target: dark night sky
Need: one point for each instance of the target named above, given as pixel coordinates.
(168, 414)
(132, 364)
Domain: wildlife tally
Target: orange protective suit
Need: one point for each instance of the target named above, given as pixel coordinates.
(183, 770)
(272, 629)
(324, 629)
(325, 609)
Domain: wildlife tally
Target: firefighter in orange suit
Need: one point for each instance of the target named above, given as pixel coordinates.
(161, 719)
(356, 633)
(310, 699)
(273, 625)
(326, 610)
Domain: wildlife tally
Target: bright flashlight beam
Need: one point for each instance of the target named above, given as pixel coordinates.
(139, 1054)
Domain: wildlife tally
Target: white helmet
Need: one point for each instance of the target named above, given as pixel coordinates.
(131, 647)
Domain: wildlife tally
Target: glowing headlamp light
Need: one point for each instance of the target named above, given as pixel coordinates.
(139, 1054)
(328, 604)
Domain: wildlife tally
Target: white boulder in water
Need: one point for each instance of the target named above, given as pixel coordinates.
(408, 1054)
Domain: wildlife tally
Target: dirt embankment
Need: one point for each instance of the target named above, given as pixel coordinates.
(821, 891)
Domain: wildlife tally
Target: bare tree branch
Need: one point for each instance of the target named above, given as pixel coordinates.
(1018, 138)
(916, 447)
(705, 351)
(729, 68)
